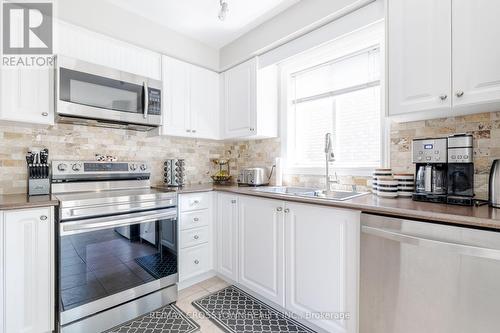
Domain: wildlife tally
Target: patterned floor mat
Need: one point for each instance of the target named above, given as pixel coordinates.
(169, 319)
(236, 311)
(159, 267)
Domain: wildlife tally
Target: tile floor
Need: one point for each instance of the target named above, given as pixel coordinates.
(188, 295)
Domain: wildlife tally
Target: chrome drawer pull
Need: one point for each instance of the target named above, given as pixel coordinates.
(196, 261)
(196, 219)
(43, 217)
(196, 237)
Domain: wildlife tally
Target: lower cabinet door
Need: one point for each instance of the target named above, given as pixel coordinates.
(321, 246)
(227, 235)
(29, 271)
(193, 261)
(261, 247)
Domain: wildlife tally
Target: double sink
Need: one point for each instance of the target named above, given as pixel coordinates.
(336, 195)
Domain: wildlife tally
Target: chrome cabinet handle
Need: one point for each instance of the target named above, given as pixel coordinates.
(460, 93)
(233, 201)
(45, 114)
(194, 131)
(196, 261)
(146, 100)
(188, 130)
(252, 129)
(196, 202)
(196, 237)
(279, 209)
(196, 219)
(287, 210)
(43, 217)
(443, 97)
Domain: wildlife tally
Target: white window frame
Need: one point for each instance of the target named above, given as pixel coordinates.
(289, 67)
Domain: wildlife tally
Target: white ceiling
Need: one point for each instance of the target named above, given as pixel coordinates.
(198, 18)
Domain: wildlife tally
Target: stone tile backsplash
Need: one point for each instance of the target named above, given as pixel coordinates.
(485, 127)
(70, 142)
(66, 141)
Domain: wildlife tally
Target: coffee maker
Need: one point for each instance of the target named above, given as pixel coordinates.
(431, 160)
(460, 170)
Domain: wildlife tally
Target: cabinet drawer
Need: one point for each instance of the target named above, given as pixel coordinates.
(194, 201)
(193, 237)
(194, 260)
(194, 219)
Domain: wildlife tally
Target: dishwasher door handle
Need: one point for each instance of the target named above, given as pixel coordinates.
(464, 249)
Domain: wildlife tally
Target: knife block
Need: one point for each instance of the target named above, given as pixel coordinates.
(38, 183)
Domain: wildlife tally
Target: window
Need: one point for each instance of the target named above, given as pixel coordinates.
(335, 89)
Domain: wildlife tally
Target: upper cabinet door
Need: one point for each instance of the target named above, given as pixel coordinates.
(204, 102)
(476, 54)
(27, 95)
(419, 55)
(176, 117)
(240, 98)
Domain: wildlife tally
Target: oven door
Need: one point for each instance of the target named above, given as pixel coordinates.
(91, 91)
(105, 262)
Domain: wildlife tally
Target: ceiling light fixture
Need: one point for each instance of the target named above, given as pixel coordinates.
(224, 8)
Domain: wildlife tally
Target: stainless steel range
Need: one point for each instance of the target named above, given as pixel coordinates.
(117, 244)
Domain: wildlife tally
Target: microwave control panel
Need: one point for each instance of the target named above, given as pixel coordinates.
(154, 96)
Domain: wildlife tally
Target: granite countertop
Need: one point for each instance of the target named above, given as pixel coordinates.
(20, 201)
(482, 216)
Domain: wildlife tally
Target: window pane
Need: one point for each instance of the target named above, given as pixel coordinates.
(346, 73)
(312, 121)
(358, 129)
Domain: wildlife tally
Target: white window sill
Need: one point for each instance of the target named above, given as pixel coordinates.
(320, 171)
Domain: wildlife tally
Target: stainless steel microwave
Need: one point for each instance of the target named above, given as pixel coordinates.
(96, 95)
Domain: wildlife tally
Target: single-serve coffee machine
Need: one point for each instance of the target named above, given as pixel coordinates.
(431, 159)
(460, 170)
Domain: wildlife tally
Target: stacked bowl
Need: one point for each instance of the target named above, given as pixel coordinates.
(406, 184)
(378, 175)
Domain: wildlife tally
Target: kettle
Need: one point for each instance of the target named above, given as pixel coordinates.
(494, 185)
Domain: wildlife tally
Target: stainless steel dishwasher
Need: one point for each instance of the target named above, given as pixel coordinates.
(424, 277)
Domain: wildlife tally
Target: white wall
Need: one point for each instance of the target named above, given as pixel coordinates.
(103, 17)
(297, 20)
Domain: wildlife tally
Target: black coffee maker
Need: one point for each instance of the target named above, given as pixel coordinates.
(460, 170)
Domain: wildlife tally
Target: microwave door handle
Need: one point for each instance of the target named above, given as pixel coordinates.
(458, 248)
(146, 99)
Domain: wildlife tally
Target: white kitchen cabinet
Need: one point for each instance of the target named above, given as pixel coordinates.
(27, 95)
(442, 58)
(195, 235)
(191, 100)
(419, 53)
(28, 270)
(96, 48)
(261, 257)
(322, 251)
(250, 101)
(227, 235)
(476, 51)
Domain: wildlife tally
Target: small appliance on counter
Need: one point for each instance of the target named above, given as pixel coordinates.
(254, 177)
(460, 170)
(38, 172)
(174, 175)
(431, 160)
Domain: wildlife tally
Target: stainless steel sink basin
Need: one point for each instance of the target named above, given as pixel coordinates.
(310, 192)
(286, 190)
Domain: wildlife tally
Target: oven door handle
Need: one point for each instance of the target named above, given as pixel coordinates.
(100, 223)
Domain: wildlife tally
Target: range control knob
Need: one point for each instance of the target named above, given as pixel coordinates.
(62, 167)
(144, 167)
(133, 167)
(77, 167)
